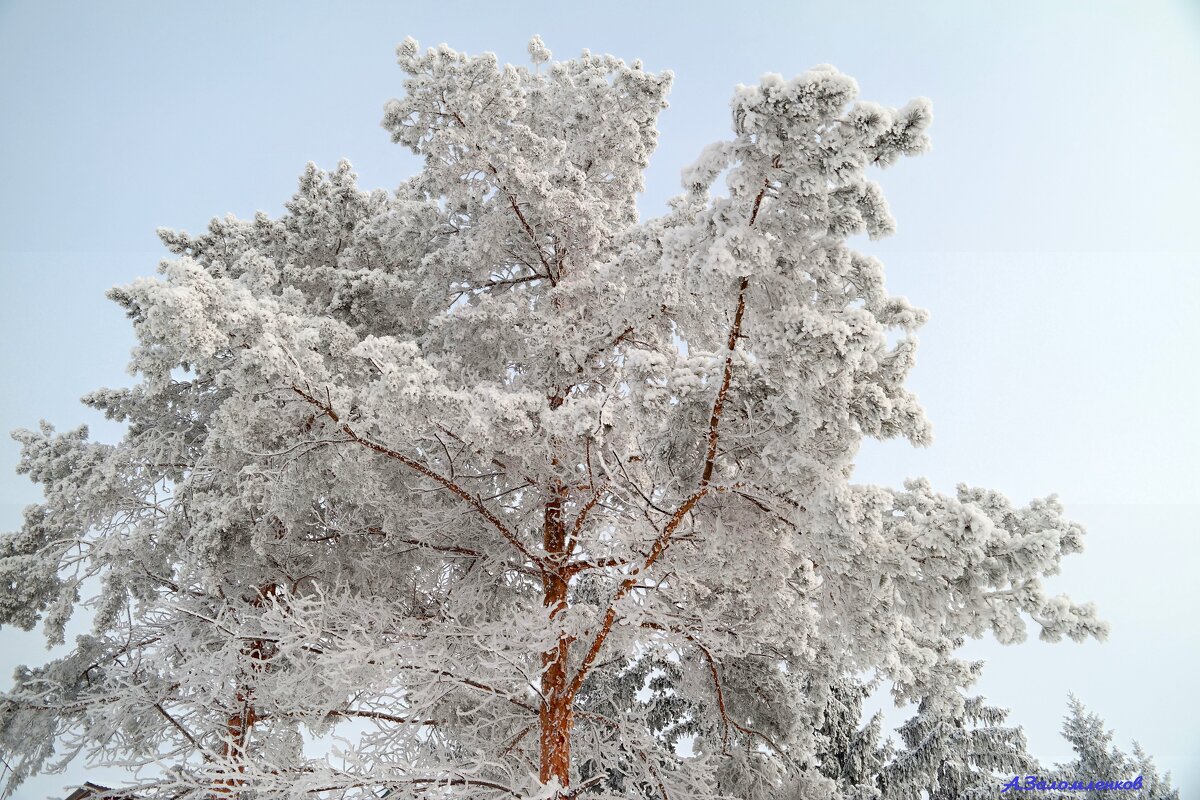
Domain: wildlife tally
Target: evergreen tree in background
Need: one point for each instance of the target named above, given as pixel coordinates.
(850, 754)
(1098, 759)
(964, 751)
(516, 495)
(952, 748)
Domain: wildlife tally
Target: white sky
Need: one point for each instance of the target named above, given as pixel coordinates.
(1051, 232)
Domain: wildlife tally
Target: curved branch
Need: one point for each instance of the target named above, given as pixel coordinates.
(735, 333)
(726, 721)
(483, 687)
(384, 717)
(416, 466)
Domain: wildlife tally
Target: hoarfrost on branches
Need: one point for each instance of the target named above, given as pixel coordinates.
(1098, 759)
(550, 501)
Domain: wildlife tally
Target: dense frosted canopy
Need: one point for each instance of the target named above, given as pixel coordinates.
(522, 495)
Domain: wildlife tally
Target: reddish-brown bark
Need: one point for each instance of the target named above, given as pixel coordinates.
(559, 684)
(240, 723)
(556, 712)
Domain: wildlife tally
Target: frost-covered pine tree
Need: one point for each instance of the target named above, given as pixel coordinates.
(1156, 787)
(953, 748)
(956, 749)
(849, 753)
(486, 488)
(1098, 759)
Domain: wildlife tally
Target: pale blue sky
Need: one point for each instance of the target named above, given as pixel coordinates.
(1051, 232)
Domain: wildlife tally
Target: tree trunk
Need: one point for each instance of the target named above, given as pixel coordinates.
(555, 718)
(556, 713)
(239, 724)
